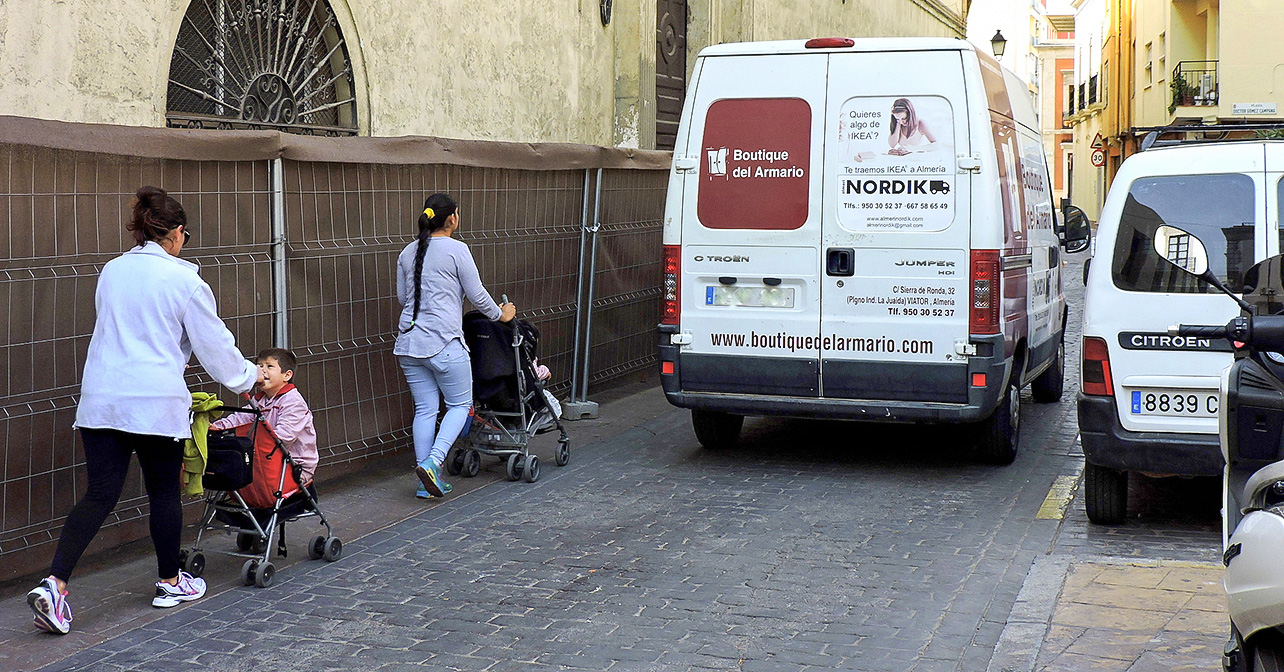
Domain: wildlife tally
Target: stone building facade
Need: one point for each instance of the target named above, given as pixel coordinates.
(580, 71)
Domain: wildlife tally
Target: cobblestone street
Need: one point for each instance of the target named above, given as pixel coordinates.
(810, 546)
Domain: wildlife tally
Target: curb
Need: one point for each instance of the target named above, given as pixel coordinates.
(1031, 616)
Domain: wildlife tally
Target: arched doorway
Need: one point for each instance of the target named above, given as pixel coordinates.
(262, 64)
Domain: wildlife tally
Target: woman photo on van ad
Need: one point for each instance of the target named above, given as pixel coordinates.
(897, 168)
(434, 276)
(905, 131)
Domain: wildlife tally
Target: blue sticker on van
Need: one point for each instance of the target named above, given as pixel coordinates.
(1136, 401)
(708, 296)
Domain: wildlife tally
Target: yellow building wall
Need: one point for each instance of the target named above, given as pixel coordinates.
(516, 70)
(1251, 67)
(1152, 96)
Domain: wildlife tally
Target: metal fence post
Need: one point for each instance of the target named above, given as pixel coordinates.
(579, 295)
(579, 407)
(280, 305)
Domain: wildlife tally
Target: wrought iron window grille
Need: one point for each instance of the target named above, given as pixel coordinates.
(262, 64)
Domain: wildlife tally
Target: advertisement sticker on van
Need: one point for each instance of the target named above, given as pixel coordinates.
(895, 166)
(755, 164)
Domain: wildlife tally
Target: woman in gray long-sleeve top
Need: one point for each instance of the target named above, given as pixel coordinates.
(434, 275)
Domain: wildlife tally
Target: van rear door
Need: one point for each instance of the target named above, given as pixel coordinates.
(749, 287)
(896, 227)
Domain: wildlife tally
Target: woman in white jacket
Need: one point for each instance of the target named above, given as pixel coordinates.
(153, 312)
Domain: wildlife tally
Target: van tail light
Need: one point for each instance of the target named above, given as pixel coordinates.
(984, 315)
(672, 304)
(1096, 368)
(829, 43)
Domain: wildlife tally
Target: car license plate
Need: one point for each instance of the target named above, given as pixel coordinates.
(1179, 403)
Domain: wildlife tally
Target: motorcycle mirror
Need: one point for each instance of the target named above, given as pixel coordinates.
(1185, 251)
(1181, 249)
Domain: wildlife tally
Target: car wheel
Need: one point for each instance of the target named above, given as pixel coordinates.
(1105, 494)
(1047, 388)
(715, 429)
(997, 437)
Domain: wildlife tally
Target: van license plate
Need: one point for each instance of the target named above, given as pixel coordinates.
(1181, 403)
(756, 297)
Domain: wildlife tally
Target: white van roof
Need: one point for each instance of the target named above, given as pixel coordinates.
(862, 44)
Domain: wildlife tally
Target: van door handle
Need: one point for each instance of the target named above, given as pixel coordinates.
(839, 261)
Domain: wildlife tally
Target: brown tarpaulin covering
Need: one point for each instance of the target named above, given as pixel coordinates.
(217, 145)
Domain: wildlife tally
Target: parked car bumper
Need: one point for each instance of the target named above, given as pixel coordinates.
(1107, 444)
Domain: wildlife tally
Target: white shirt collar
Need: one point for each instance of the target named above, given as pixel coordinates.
(153, 248)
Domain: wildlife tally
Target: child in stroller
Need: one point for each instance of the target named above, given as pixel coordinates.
(284, 409)
(268, 480)
(509, 401)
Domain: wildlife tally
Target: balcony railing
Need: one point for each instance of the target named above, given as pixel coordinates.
(1083, 95)
(1195, 83)
(1092, 90)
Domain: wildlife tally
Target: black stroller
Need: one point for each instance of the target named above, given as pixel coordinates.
(252, 488)
(509, 406)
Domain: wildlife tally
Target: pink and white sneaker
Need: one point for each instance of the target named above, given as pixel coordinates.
(53, 614)
(187, 589)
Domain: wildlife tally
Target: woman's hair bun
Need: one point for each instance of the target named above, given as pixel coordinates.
(150, 197)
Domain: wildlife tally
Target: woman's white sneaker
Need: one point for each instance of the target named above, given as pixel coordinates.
(187, 589)
(53, 614)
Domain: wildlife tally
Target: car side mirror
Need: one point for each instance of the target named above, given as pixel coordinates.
(1077, 231)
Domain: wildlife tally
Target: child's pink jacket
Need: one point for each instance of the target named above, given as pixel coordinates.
(291, 419)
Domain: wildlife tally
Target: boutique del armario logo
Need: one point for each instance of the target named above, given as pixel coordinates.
(760, 163)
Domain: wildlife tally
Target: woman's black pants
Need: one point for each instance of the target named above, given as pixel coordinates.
(107, 454)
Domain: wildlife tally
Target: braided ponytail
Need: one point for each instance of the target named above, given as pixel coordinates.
(437, 209)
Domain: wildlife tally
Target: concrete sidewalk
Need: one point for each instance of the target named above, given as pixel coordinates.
(1110, 615)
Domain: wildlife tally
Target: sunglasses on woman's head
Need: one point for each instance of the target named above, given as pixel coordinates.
(186, 236)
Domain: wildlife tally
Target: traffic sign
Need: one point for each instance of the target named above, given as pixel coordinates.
(1098, 158)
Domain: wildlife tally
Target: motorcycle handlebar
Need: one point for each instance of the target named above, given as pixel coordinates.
(1198, 330)
(1259, 332)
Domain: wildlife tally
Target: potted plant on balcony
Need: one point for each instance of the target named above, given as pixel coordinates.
(1183, 93)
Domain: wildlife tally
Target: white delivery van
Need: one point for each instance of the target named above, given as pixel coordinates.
(1148, 401)
(860, 229)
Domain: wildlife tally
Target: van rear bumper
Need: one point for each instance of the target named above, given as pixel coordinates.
(1107, 444)
(742, 396)
(845, 409)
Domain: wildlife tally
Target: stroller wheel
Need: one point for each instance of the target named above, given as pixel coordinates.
(333, 549)
(247, 572)
(455, 462)
(263, 574)
(472, 463)
(530, 470)
(194, 563)
(316, 547)
(514, 467)
(563, 456)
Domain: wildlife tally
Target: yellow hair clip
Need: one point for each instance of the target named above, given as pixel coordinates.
(430, 213)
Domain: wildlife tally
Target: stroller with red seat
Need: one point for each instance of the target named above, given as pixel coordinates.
(252, 488)
(509, 406)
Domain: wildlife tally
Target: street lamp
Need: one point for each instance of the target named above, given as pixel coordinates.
(998, 43)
